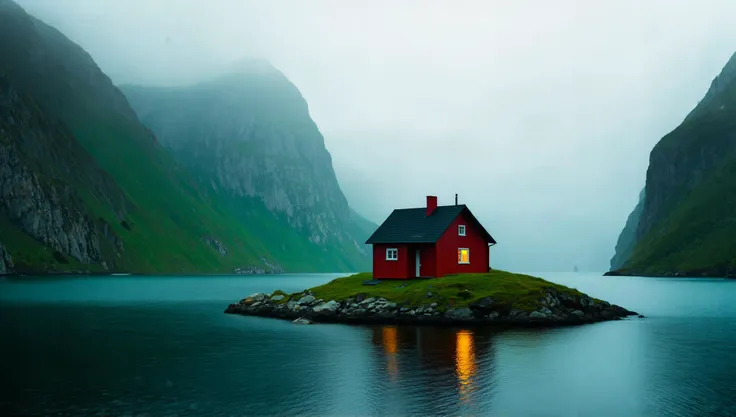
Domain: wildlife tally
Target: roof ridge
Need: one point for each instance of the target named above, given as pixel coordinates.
(423, 208)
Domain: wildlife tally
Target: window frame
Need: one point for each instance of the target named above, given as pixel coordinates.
(462, 230)
(459, 250)
(395, 251)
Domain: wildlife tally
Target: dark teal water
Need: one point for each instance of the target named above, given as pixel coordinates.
(161, 346)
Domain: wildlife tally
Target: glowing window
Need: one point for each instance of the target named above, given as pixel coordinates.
(463, 256)
(392, 254)
(461, 230)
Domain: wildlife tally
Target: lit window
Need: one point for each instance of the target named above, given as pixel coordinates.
(392, 254)
(463, 256)
(461, 230)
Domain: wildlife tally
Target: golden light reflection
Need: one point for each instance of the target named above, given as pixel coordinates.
(390, 344)
(464, 362)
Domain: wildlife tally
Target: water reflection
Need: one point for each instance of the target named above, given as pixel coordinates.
(464, 363)
(450, 361)
(390, 346)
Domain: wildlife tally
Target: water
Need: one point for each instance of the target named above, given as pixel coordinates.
(161, 346)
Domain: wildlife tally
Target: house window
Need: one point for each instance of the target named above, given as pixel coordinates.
(461, 230)
(463, 256)
(392, 254)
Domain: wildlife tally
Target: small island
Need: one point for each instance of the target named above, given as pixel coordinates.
(492, 298)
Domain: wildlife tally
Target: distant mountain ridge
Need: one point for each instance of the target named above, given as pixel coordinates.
(86, 187)
(686, 222)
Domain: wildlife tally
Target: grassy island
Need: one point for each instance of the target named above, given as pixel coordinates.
(496, 297)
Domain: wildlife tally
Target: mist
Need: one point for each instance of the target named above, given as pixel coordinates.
(539, 115)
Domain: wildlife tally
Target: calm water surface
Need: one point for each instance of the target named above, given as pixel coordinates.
(161, 346)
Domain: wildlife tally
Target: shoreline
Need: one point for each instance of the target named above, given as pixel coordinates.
(496, 299)
(523, 321)
(624, 273)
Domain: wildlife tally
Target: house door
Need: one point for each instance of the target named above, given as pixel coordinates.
(418, 264)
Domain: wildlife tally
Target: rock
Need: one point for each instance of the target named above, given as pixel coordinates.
(277, 297)
(291, 304)
(578, 313)
(368, 301)
(429, 294)
(216, 245)
(641, 316)
(545, 311)
(6, 261)
(459, 313)
(330, 306)
(537, 315)
(433, 305)
(302, 320)
(484, 302)
(608, 314)
(258, 296)
(306, 300)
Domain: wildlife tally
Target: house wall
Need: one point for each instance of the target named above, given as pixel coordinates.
(399, 269)
(405, 266)
(428, 260)
(449, 242)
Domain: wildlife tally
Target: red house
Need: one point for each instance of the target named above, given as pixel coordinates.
(430, 241)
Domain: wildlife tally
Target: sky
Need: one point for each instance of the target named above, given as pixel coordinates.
(539, 114)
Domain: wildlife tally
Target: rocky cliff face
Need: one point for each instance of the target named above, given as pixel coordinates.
(248, 138)
(40, 162)
(85, 186)
(687, 206)
(6, 261)
(627, 238)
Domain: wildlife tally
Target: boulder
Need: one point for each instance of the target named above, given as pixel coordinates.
(302, 320)
(306, 300)
(277, 297)
(537, 315)
(578, 313)
(461, 313)
(259, 296)
(330, 306)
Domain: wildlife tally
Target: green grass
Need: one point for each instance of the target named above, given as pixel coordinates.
(94, 131)
(28, 254)
(522, 292)
(694, 232)
(696, 237)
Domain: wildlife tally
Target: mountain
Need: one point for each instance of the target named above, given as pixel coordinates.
(249, 141)
(686, 223)
(85, 186)
(627, 238)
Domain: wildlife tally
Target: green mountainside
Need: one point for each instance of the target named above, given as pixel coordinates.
(687, 222)
(248, 139)
(627, 238)
(84, 186)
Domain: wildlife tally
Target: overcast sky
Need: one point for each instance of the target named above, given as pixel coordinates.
(540, 114)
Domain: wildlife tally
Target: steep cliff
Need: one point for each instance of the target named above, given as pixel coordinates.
(249, 140)
(84, 186)
(688, 219)
(627, 238)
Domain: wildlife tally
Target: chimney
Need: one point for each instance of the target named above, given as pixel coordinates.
(455, 199)
(431, 204)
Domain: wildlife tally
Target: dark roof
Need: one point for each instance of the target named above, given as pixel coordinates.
(414, 226)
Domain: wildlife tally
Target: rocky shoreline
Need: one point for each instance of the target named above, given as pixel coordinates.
(556, 309)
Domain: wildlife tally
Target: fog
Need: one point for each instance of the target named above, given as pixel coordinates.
(540, 115)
